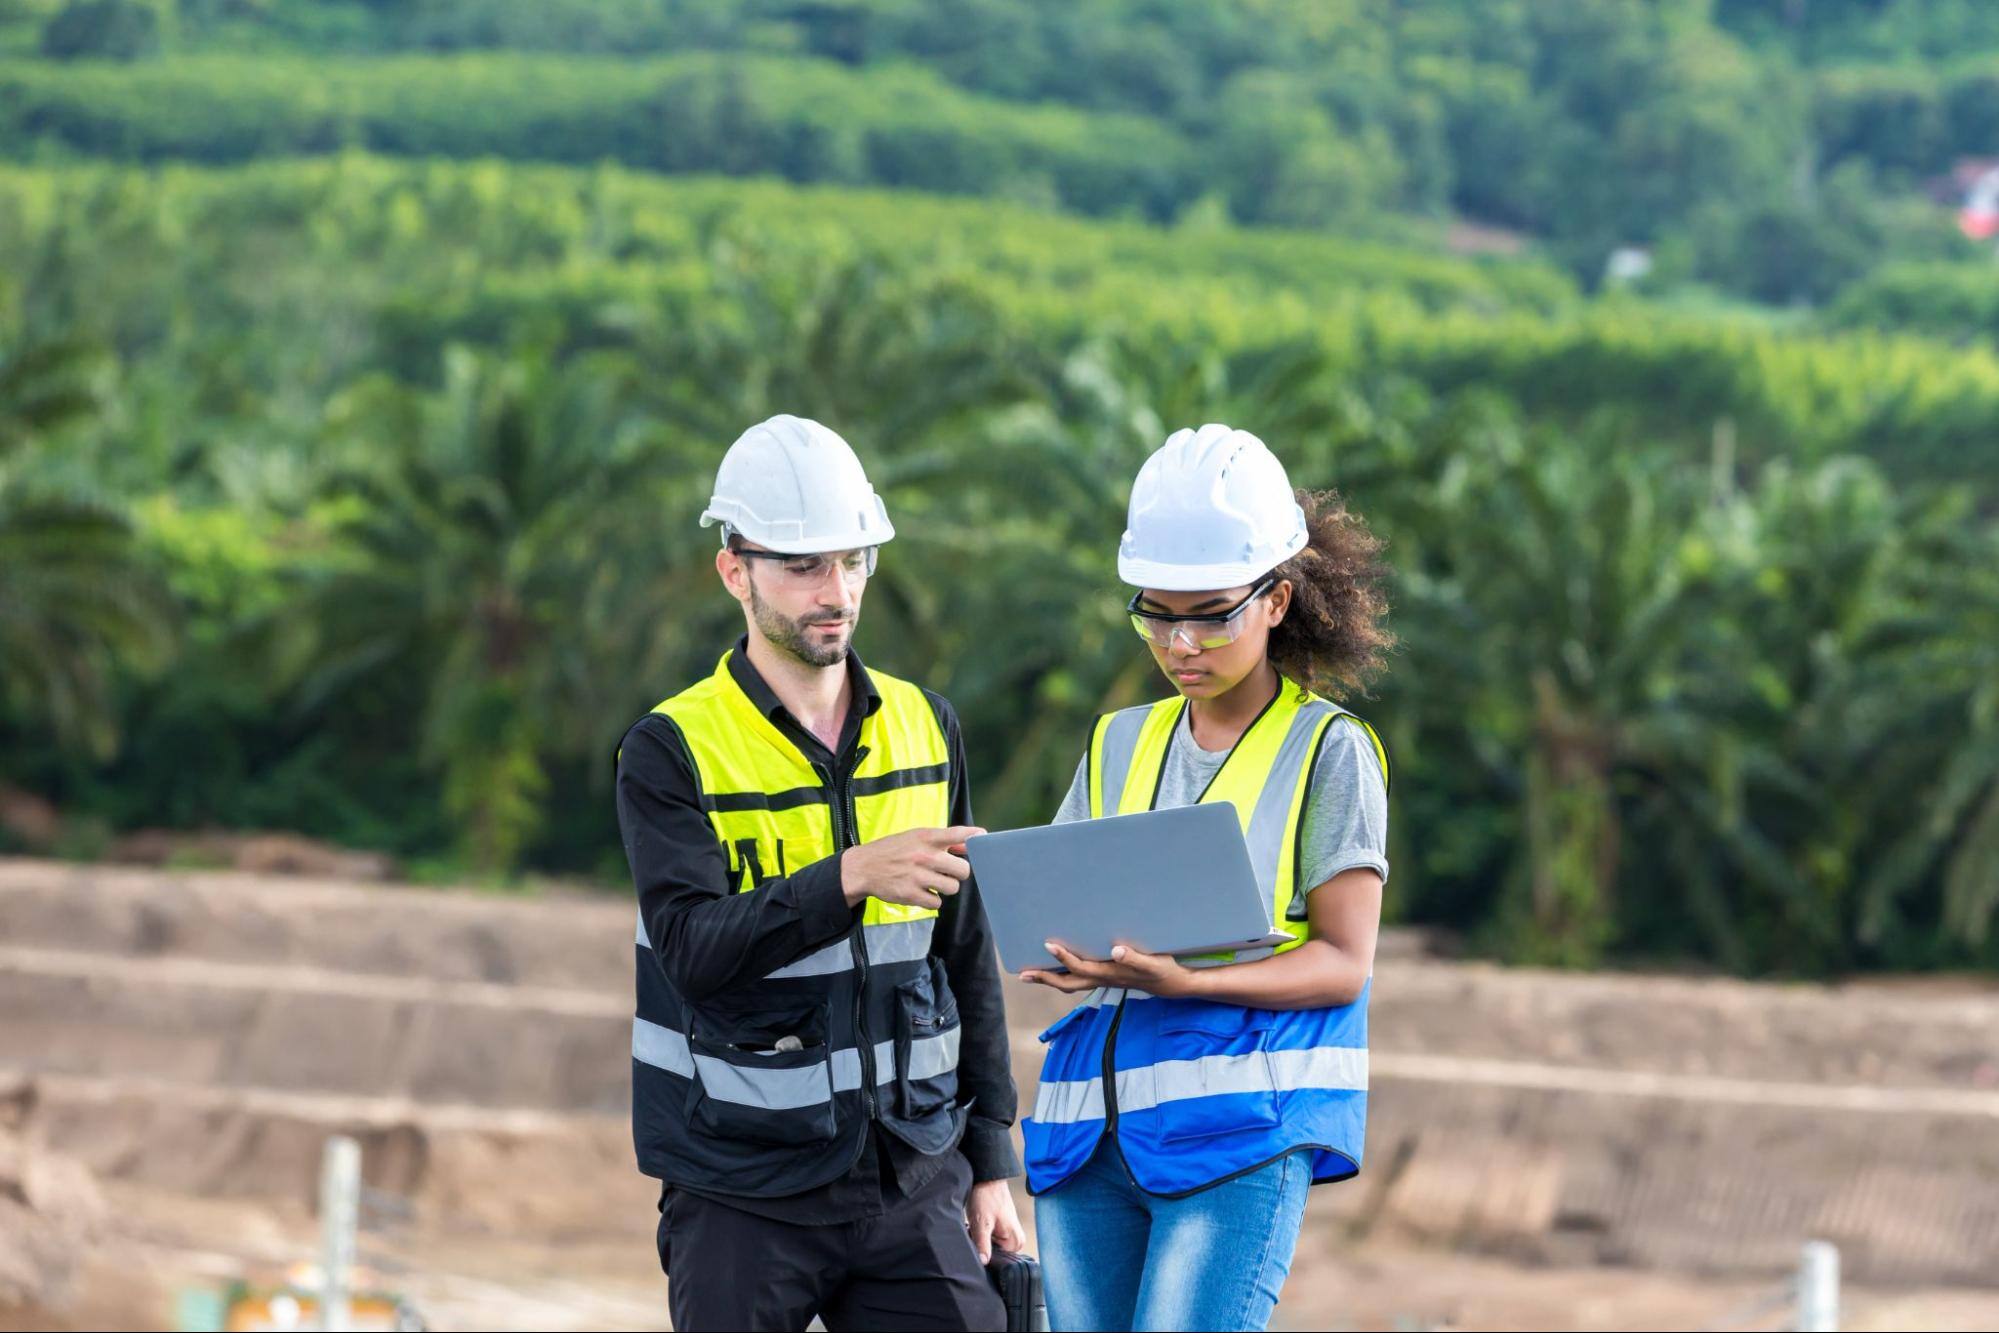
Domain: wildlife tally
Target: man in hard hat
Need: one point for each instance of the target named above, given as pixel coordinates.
(820, 1069)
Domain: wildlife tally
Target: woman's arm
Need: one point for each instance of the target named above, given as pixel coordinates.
(1328, 969)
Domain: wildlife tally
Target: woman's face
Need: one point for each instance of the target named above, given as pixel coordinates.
(1209, 673)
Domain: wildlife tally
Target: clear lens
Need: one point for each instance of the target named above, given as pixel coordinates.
(1201, 634)
(809, 571)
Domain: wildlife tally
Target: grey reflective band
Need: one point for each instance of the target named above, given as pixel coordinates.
(888, 942)
(772, 1089)
(1070, 1103)
(1271, 820)
(835, 957)
(788, 1089)
(1317, 1068)
(1120, 744)
(899, 941)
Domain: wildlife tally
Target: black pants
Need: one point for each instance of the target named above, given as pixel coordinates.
(911, 1268)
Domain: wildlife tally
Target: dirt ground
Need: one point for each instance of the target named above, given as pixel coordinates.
(1546, 1150)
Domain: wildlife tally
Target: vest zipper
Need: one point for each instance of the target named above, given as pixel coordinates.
(1110, 1088)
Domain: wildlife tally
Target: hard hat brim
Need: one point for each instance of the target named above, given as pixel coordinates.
(790, 540)
(1192, 578)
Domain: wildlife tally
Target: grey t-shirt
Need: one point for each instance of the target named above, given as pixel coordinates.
(1346, 803)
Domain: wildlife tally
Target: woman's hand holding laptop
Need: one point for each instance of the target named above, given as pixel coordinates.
(1127, 968)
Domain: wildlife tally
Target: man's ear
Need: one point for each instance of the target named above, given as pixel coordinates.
(734, 572)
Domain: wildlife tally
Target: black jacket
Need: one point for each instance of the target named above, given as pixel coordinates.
(707, 952)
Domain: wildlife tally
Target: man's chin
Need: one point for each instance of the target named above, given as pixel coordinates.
(823, 650)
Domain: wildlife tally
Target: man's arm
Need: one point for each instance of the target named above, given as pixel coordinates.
(963, 942)
(706, 937)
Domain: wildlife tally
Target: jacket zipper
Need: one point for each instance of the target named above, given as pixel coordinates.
(845, 823)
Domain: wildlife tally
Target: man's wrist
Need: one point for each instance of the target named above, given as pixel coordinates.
(849, 885)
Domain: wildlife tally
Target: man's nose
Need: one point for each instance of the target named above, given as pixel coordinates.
(836, 593)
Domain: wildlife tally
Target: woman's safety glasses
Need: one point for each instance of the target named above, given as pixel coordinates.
(801, 572)
(1207, 630)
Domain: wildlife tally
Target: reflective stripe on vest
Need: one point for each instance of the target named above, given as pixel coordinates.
(783, 1089)
(884, 942)
(1204, 1090)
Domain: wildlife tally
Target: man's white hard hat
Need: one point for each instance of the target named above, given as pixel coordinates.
(1212, 508)
(790, 484)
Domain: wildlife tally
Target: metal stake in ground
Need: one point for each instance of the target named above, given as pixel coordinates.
(339, 1215)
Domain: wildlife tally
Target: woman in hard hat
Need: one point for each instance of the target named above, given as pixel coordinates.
(1186, 1104)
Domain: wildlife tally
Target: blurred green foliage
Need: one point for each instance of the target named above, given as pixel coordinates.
(357, 497)
(1778, 151)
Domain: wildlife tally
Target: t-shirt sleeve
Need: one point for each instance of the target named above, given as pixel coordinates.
(1346, 812)
(1076, 805)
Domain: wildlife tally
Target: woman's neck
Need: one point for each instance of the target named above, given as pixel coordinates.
(1218, 723)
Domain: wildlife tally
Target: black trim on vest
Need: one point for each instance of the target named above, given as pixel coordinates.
(902, 777)
(748, 860)
(732, 801)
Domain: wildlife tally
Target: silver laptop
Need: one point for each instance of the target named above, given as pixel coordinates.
(1166, 881)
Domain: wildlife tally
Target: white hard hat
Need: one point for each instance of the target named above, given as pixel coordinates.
(1211, 508)
(793, 485)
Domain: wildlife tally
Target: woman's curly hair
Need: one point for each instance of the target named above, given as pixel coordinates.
(1332, 640)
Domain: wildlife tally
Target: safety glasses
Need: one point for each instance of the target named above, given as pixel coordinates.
(1209, 629)
(801, 572)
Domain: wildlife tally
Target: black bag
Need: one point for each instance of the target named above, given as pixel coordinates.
(1017, 1279)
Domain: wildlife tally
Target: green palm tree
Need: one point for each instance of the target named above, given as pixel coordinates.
(74, 603)
(493, 528)
(1547, 622)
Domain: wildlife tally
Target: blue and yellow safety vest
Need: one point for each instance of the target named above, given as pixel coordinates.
(1196, 1091)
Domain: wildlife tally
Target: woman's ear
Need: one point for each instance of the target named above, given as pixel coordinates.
(1280, 602)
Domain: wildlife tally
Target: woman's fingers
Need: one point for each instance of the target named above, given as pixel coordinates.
(1069, 960)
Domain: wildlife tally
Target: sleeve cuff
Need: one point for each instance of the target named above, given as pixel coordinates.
(988, 1146)
(822, 903)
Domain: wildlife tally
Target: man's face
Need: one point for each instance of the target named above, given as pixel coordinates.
(805, 606)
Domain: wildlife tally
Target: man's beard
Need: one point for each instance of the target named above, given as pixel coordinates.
(789, 636)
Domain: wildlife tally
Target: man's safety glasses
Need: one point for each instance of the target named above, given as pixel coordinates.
(1209, 629)
(809, 571)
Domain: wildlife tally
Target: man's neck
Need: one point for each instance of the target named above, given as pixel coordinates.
(817, 696)
(1219, 723)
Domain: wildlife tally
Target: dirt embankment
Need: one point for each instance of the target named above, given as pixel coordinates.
(191, 1038)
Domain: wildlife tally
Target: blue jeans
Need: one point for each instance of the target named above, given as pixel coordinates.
(1115, 1257)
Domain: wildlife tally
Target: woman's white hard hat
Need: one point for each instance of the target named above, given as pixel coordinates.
(790, 484)
(1212, 508)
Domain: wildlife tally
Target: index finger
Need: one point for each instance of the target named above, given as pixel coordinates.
(957, 833)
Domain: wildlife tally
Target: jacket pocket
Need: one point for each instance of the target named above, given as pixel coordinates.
(926, 1044)
(762, 1075)
(1215, 1075)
